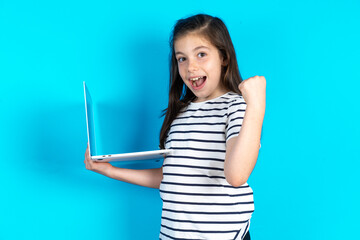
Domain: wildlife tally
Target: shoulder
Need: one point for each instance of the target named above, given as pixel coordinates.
(235, 100)
(227, 99)
(230, 101)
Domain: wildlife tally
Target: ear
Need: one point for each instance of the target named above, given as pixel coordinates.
(224, 60)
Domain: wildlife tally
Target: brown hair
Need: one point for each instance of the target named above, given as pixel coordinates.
(215, 31)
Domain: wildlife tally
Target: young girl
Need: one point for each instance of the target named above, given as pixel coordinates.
(203, 182)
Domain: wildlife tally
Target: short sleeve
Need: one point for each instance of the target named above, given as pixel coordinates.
(236, 113)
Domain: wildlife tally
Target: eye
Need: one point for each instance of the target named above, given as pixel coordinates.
(181, 59)
(201, 54)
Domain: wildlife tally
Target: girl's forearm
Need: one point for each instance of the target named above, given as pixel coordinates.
(147, 177)
(242, 151)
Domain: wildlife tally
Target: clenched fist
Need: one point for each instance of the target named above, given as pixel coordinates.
(253, 91)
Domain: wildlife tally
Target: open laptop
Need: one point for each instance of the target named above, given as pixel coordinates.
(146, 155)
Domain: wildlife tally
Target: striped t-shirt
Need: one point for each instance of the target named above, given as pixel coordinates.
(198, 202)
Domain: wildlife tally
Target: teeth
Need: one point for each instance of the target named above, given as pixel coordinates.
(195, 79)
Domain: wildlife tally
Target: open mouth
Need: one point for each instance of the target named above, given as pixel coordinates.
(197, 82)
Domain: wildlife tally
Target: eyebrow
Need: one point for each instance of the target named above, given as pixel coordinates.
(194, 50)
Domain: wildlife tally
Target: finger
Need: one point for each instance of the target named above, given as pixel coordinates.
(241, 85)
(87, 164)
(87, 152)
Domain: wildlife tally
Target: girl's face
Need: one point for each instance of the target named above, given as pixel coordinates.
(200, 66)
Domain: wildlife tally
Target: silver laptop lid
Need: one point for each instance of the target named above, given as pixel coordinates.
(90, 121)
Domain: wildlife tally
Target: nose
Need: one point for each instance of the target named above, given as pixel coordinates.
(193, 66)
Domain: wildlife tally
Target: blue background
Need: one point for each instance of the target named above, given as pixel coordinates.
(307, 176)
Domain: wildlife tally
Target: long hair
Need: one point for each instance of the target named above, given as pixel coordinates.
(213, 30)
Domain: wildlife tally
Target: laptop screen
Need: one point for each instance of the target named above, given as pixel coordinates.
(90, 121)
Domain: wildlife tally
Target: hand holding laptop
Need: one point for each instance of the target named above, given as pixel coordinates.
(99, 167)
(145, 177)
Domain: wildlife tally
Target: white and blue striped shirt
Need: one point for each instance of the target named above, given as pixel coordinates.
(198, 202)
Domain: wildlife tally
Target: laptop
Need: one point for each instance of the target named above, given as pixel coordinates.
(146, 155)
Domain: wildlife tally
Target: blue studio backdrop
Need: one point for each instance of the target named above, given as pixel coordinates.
(306, 179)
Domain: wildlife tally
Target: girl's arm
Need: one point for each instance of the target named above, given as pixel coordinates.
(147, 177)
(242, 151)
